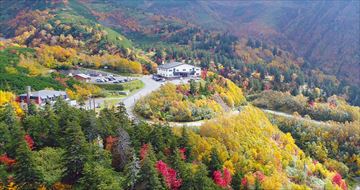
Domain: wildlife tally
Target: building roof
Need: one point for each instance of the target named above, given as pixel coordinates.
(46, 94)
(83, 76)
(170, 65)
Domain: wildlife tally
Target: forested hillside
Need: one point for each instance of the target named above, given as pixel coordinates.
(68, 148)
(168, 32)
(324, 33)
(291, 60)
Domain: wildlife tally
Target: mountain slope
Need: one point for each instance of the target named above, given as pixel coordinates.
(325, 33)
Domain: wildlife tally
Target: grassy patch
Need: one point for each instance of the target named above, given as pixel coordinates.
(129, 86)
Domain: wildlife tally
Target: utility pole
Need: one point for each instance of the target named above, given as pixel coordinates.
(90, 102)
(94, 104)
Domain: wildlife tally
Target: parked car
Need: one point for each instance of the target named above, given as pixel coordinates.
(157, 78)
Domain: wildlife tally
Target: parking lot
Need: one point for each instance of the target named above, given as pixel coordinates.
(109, 79)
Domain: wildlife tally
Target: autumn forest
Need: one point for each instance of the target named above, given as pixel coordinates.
(97, 95)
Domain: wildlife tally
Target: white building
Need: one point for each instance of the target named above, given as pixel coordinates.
(177, 69)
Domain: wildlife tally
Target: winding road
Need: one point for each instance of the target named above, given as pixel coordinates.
(151, 85)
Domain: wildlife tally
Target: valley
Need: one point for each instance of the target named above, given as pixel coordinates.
(179, 95)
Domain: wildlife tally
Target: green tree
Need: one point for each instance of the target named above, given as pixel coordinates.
(295, 91)
(5, 138)
(26, 173)
(150, 178)
(193, 87)
(34, 125)
(51, 122)
(8, 115)
(202, 181)
(109, 122)
(98, 176)
(49, 164)
(214, 163)
(89, 124)
(236, 180)
(32, 109)
(75, 154)
(184, 143)
(122, 116)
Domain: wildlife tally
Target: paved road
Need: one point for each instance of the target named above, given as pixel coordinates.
(282, 114)
(150, 86)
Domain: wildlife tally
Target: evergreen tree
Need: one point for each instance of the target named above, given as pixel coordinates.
(89, 125)
(98, 176)
(287, 76)
(10, 131)
(34, 125)
(257, 184)
(5, 138)
(300, 80)
(250, 43)
(26, 173)
(32, 109)
(236, 180)
(3, 174)
(75, 152)
(184, 143)
(109, 122)
(51, 122)
(257, 44)
(295, 91)
(122, 116)
(214, 163)
(202, 181)
(150, 178)
(193, 87)
(275, 51)
(8, 116)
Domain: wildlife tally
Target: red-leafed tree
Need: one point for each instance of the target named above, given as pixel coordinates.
(244, 182)
(222, 179)
(144, 151)
(4, 159)
(29, 141)
(182, 153)
(204, 74)
(259, 175)
(169, 175)
(337, 179)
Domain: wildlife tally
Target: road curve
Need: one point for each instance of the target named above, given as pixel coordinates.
(149, 86)
(282, 114)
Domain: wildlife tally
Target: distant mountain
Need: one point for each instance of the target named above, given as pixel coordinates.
(326, 33)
